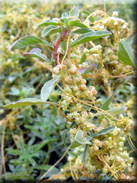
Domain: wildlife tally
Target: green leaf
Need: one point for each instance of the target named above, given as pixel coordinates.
(74, 12)
(26, 102)
(107, 102)
(84, 154)
(126, 169)
(42, 167)
(27, 41)
(117, 110)
(14, 151)
(113, 111)
(32, 128)
(130, 39)
(103, 132)
(31, 141)
(48, 22)
(32, 161)
(91, 18)
(51, 29)
(82, 31)
(125, 53)
(14, 176)
(72, 154)
(64, 133)
(63, 44)
(48, 88)
(59, 120)
(76, 23)
(79, 140)
(64, 19)
(37, 147)
(16, 161)
(5, 27)
(89, 69)
(89, 36)
(36, 52)
(85, 178)
(83, 58)
(52, 172)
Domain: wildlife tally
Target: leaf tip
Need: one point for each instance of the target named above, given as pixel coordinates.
(10, 48)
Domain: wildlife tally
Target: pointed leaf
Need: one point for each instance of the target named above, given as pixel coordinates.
(31, 141)
(72, 154)
(48, 88)
(117, 110)
(59, 120)
(14, 151)
(42, 167)
(85, 179)
(51, 29)
(113, 111)
(125, 53)
(103, 132)
(64, 133)
(91, 18)
(27, 41)
(64, 19)
(36, 52)
(79, 140)
(126, 169)
(82, 31)
(37, 147)
(74, 12)
(108, 101)
(89, 69)
(63, 44)
(84, 154)
(48, 22)
(32, 128)
(83, 58)
(26, 102)
(89, 36)
(14, 176)
(32, 161)
(131, 39)
(76, 23)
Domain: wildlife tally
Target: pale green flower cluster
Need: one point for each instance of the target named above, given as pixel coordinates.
(107, 153)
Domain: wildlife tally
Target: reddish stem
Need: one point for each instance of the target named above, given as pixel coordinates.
(64, 34)
(56, 45)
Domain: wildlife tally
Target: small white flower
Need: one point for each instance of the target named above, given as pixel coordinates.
(105, 170)
(116, 23)
(120, 143)
(115, 14)
(131, 159)
(85, 65)
(111, 157)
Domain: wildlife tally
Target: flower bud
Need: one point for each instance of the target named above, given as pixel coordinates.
(73, 71)
(82, 87)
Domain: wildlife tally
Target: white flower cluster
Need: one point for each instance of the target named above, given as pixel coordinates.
(110, 146)
(95, 50)
(114, 23)
(57, 70)
(99, 26)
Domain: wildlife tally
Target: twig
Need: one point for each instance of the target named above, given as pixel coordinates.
(55, 164)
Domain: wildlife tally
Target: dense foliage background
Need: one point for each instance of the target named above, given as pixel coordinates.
(31, 140)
